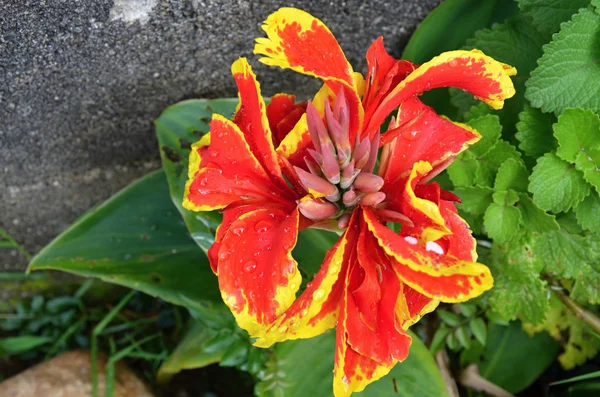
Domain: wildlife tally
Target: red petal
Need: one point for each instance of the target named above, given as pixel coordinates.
(472, 71)
(230, 172)
(258, 277)
(251, 117)
(424, 136)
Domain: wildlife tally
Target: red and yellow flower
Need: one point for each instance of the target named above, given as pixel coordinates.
(276, 169)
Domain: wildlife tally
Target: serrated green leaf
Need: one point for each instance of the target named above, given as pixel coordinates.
(462, 171)
(501, 222)
(588, 162)
(479, 329)
(439, 339)
(567, 74)
(490, 129)
(534, 132)
(588, 213)
(507, 198)
(512, 174)
(556, 185)
(463, 336)
(547, 15)
(518, 290)
(135, 239)
(533, 217)
(474, 199)
(493, 159)
(577, 131)
(449, 318)
(513, 360)
(517, 43)
(562, 253)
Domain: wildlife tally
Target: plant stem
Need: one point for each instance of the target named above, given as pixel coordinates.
(18, 246)
(470, 378)
(441, 358)
(581, 312)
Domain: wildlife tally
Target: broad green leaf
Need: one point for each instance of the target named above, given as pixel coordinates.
(463, 336)
(449, 318)
(513, 360)
(577, 131)
(533, 217)
(177, 128)
(474, 199)
(506, 198)
(462, 17)
(490, 129)
(135, 239)
(501, 222)
(589, 164)
(479, 329)
(462, 171)
(493, 159)
(519, 44)
(556, 185)
(567, 75)
(534, 132)
(191, 352)
(547, 15)
(305, 368)
(588, 213)
(21, 344)
(512, 174)
(562, 253)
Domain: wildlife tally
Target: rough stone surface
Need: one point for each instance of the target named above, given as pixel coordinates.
(81, 82)
(69, 375)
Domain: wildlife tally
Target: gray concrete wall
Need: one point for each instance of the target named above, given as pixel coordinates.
(82, 80)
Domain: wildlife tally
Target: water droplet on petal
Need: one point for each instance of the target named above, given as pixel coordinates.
(453, 63)
(410, 135)
(282, 329)
(263, 226)
(224, 255)
(238, 231)
(318, 295)
(250, 266)
(333, 270)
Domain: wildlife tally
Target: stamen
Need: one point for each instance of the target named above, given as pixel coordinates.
(317, 210)
(368, 183)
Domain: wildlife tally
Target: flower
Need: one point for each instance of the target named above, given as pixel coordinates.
(279, 168)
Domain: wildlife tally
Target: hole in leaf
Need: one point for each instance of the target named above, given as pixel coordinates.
(171, 155)
(155, 278)
(185, 144)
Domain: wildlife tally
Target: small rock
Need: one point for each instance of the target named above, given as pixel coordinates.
(69, 375)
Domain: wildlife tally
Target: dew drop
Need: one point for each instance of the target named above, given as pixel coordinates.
(453, 63)
(318, 295)
(224, 255)
(250, 266)
(304, 312)
(410, 135)
(214, 154)
(238, 231)
(282, 329)
(263, 226)
(333, 270)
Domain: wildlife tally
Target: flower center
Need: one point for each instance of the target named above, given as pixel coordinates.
(340, 175)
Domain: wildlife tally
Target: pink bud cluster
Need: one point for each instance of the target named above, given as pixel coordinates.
(340, 175)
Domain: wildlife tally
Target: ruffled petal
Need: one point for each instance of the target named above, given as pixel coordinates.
(437, 275)
(296, 40)
(316, 310)
(472, 71)
(460, 243)
(251, 117)
(413, 305)
(422, 135)
(258, 277)
(229, 171)
(283, 114)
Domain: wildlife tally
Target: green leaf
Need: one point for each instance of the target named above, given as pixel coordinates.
(567, 74)
(452, 342)
(305, 368)
(533, 217)
(191, 352)
(177, 128)
(505, 198)
(513, 360)
(439, 338)
(135, 239)
(474, 199)
(479, 329)
(463, 336)
(547, 15)
(462, 17)
(467, 309)
(519, 44)
(501, 222)
(512, 174)
(562, 253)
(493, 159)
(490, 129)
(534, 132)
(587, 213)
(449, 318)
(518, 290)
(596, 3)
(22, 344)
(591, 375)
(589, 164)
(577, 131)
(556, 185)
(462, 171)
